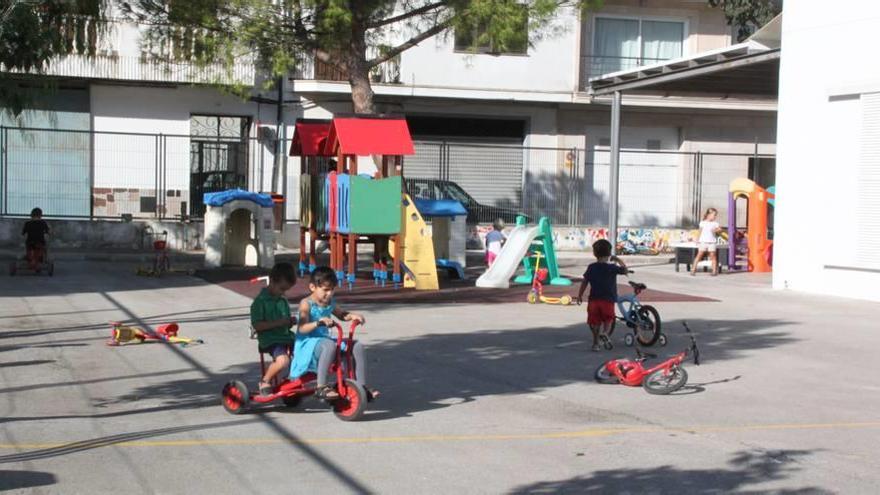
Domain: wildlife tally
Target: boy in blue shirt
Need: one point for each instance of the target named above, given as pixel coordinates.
(601, 276)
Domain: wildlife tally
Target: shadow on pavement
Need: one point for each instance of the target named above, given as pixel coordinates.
(95, 443)
(442, 370)
(745, 468)
(17, 480)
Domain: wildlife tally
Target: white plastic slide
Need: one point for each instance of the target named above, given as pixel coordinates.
(517, 245)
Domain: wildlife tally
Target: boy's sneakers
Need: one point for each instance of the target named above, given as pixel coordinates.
(596, 348)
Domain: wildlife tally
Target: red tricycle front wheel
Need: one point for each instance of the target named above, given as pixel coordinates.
(352, 404)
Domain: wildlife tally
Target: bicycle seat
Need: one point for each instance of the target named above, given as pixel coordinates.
(638, 286)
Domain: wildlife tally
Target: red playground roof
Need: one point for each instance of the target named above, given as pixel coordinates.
(309, 137)
(369, 135)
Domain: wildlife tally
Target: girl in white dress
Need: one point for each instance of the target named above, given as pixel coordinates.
(708, 242)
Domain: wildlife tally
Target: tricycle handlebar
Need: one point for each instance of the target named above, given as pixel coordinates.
(340, 331)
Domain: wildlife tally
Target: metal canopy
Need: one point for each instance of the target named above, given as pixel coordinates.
(738, 70)
(748, 69)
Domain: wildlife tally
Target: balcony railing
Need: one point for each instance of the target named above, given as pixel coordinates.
(145, 68)
(597, 65)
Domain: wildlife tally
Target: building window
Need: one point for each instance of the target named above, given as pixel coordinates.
(218, 156)
(479, 39)
(623, 44)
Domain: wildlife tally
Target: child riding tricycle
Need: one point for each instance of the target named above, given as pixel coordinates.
(36, 258)
(349, 406)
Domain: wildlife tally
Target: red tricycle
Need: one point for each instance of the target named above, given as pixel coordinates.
(662, 379)
(36, 259)
(352, 400)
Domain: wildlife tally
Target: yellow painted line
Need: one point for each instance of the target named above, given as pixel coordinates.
(441, 438)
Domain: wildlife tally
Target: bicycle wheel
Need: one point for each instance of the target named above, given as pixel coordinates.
(647, 325)
(601, 375)
(660, 383)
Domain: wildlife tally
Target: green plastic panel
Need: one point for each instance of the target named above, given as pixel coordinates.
(376, 205)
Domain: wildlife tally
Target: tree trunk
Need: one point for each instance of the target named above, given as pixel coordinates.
(359, 70)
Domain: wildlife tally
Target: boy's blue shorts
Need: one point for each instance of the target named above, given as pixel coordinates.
(276, 350)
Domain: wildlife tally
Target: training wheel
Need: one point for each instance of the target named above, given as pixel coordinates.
(565, 300)
(532, 298)
(629, 340)
(662, 340)
(235, 397)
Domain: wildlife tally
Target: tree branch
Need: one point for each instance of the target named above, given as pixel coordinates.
(415, 40)
(406, 15)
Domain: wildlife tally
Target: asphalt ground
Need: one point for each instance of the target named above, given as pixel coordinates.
(478, 397)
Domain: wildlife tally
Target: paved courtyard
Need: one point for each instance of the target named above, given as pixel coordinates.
(478, 397)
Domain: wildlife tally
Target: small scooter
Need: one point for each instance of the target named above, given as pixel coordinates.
(537, 292)
(352, 400)
(662, 379)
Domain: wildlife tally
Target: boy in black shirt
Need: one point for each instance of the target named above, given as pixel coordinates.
(36, 229)
(601, 276)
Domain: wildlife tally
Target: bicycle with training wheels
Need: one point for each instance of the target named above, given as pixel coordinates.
(642, 319)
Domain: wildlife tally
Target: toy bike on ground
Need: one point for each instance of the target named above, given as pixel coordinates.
(352, 400)
(122, 334)
(161, 261)
(36, 260)
(537, 292)
(662, 379)
(642, 319)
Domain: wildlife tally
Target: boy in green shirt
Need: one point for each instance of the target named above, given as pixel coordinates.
(271, 320)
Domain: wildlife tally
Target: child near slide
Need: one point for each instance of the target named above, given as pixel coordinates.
(495, 240)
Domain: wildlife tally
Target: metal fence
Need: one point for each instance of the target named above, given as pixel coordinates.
(87, 174)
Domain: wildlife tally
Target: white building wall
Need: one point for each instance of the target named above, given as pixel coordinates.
(822, 168)
(549, 66)
(126, 120)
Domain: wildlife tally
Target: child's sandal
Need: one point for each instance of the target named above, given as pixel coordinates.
(265, 388)
(372, 394)
(327, 393)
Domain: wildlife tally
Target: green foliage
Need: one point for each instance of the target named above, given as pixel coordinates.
(34, 33)
(277, 32)
(748, 15)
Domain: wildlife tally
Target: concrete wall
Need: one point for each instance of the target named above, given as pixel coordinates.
(102, 234)
(827, 188)
(659, 239)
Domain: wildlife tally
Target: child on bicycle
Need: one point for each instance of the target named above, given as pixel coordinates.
(315, 348)
(35, 231)
(270, 318)
(601, 276)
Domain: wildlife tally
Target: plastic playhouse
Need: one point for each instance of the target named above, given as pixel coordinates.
(238, 229)
(525, 244)
(751, 247)
(351, 191)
